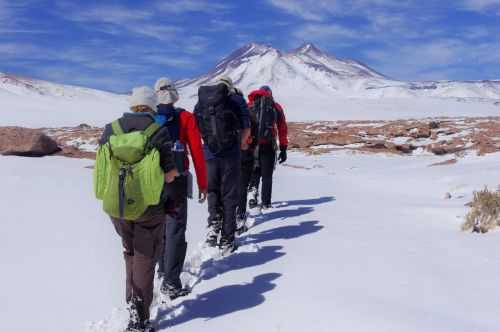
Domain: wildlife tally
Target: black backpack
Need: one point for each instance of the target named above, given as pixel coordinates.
(216, 119)
(264, 116)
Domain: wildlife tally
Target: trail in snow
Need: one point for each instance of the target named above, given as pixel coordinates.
(206, 263)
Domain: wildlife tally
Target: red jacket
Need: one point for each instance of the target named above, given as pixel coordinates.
(189, 135)
(280, 128)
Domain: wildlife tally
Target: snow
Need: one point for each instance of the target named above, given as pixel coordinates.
(356, 242)
(33, 103)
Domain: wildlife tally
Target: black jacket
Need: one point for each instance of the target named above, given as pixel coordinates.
(140, 121)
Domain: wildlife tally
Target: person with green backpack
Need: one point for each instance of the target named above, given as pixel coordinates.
(134, 165)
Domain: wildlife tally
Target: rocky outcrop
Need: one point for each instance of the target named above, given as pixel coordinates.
(443, 136)
(18, 141)
(437, 136)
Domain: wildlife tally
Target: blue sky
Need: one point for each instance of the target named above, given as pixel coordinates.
(116, 45)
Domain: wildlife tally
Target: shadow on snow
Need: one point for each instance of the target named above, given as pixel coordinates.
(281, 215)
(284, 232)
(239, 261)
(311, 201)
(232, 298)
(224, 300)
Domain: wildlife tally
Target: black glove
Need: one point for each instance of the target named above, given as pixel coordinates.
(282, 155)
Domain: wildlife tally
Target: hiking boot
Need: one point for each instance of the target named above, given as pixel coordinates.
(254, 194)
(227, 245)
(266, 206)
(173, 291)
(135, 323)
(252, 203)
(140, 327)
(241, 220)
(214, 228)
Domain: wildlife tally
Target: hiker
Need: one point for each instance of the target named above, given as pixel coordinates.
(269, 123)
(223, 119)
(184, 133)
(135, 150)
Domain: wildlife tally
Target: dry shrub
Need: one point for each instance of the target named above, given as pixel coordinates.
(485, 211)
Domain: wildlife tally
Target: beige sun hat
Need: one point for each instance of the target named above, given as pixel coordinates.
(166, 92)
(227, 81)
(142, 96)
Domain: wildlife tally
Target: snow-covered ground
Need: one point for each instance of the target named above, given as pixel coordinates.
(309, 108)
(33, 103)
(37, 111)
(356, 243)
(46, 111)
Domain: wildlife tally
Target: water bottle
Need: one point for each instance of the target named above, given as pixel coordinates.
(179, 156)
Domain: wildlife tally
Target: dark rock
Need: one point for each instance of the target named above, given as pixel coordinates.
(18, 141)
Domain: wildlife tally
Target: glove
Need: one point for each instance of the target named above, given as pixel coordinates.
(202, 196)
(171, 175)
(282, 156)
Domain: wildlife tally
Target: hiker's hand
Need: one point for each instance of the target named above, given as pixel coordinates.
(245, 136)
(282, 156)
(202, 196)
(171, 175)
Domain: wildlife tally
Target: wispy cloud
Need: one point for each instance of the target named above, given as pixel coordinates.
(170, 60)
(331, 32)
(481, 5)
(320, 10)
(118, 15)
(120, 19)
(475, 32)
(12, 20)
(217, 25)
(425, 60)
(186, 6)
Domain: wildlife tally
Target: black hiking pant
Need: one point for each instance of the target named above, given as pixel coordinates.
(267, 161)
(247, 172)
(173, 254)
(223, 192)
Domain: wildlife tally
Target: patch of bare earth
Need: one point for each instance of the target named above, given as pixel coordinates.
(443, 136)
(76, 142)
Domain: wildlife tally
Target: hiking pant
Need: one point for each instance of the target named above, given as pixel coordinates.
(142, 243)
(223, 188)
(247, 171)
(267, 161)
(173, 254)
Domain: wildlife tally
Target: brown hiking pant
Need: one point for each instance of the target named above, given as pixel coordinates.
(142, 243)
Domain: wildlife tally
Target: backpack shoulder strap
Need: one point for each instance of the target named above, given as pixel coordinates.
(151, 130)
(117, 128)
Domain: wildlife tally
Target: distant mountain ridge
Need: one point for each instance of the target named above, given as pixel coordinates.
(19, 85)
(309, 83)
(309, 70)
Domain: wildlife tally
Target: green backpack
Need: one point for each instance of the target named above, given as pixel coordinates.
(128, 177)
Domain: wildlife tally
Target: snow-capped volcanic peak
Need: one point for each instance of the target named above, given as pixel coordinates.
(312, 55)
(245, 53)
(309, 49)
(308, 77)
(307, 68)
